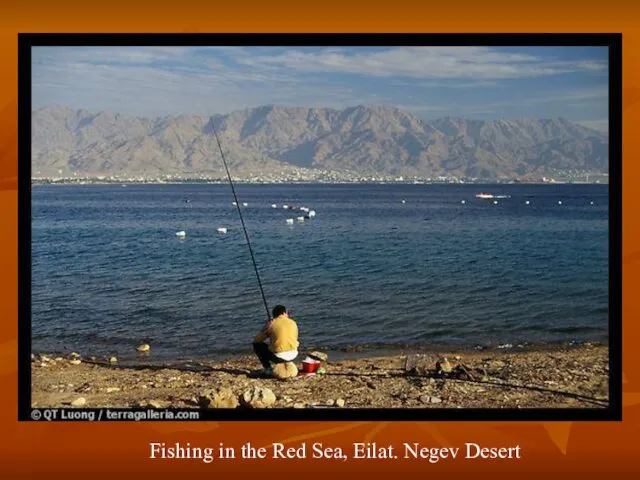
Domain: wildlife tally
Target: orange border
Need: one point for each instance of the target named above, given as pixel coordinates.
(103, 449)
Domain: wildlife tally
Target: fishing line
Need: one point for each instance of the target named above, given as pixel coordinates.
(246, 234)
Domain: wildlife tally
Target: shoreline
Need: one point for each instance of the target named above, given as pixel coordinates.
(351, 352)
(86, 182)
(561, 377)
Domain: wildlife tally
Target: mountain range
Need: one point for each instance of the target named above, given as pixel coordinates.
(366, 140)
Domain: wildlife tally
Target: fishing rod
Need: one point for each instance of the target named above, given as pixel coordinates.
(246, 234)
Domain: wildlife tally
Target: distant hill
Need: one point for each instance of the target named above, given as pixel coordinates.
(270, 139)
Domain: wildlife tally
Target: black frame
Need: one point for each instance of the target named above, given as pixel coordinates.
(611, 40)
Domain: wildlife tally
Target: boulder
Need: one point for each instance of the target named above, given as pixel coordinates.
(443, 366)
(430, 399)
(417, 365)
(323, 357)
(258, 397)
(282, 371)
(222, 398)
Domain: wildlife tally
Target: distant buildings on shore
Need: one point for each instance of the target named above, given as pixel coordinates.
(317, 176)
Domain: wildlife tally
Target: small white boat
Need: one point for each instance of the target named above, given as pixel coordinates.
(463, 202)
(312, 213)
(495, 202)
(234, 203)
(304, 209)
(502, 196)
(527, 202)
(560, 202)
(591, 203)
(404, 201)
(289, 221)
(273, 205)
(286, 207)
(245, 204)
(301, 219)
(484, 195)
(222, 230)
(181, 234)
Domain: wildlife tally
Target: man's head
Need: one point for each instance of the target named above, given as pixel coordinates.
(279, 310)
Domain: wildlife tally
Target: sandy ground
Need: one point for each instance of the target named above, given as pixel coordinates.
(488, 379)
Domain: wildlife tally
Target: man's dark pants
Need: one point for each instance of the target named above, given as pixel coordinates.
(265, 355)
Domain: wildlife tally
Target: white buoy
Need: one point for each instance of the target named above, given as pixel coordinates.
(181, 234)
(285, 207)
(301, 219)
(273, 205)
(591, 203)
(312, 213)
(245, 204)
(222, 230)
(560, 202)
(527, 202)
(234, 203)
(495, 202)
(289, 221)
(404, 201)
(463, 202)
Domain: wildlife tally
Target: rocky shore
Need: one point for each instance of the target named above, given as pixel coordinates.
(564, 377)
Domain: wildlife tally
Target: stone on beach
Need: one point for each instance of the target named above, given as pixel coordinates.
(222, 398)
(323, 357)
(286, 370)
(417, 365)
(430, 399)
(79, 402)
(443, 366)
(258, 397)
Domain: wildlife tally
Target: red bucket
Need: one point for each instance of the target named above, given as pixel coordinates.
(310, 366)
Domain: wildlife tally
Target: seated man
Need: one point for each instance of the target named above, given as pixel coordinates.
(282, 333)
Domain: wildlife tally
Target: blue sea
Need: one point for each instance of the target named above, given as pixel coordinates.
(441, 268)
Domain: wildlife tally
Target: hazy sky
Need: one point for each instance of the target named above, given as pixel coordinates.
(472, 82)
